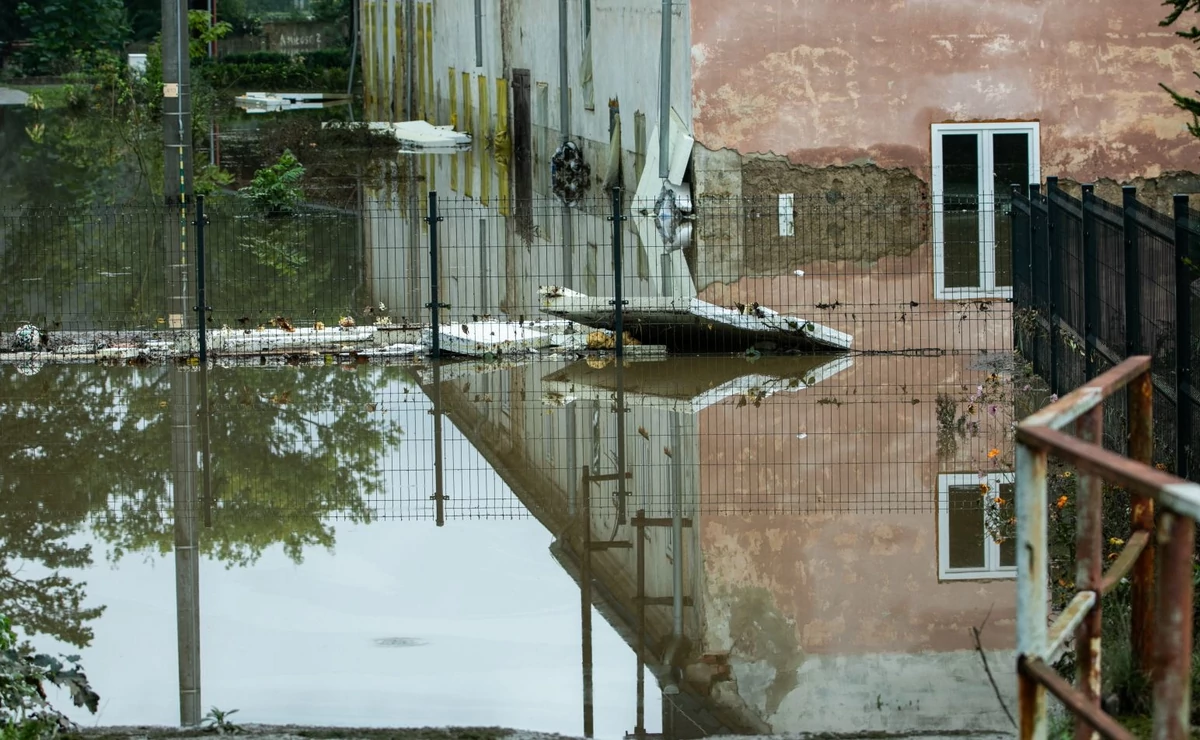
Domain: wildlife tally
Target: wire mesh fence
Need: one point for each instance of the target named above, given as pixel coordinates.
(804, 272)
(296, 446)
(1097, 282)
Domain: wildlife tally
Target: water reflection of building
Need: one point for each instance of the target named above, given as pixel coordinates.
(815, 563)
(813, 575)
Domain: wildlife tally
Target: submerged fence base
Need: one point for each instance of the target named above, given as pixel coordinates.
(494, 338)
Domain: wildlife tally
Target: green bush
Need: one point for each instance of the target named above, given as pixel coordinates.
(276, 189)
(25, 713)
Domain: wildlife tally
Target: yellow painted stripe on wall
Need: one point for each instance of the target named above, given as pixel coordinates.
(368, 51)
(468, 123)
(419, 78)
(431, 104)
(389, 62)
(452, 88)
(397, 73)
(502, 144)
(485, 161)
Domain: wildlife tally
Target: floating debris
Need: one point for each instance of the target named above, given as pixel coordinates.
(690, 324)
(266, 102)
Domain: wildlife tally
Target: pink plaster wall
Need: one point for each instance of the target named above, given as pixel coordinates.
(834, 81)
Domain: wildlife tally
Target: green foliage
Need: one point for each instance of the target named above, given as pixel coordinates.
(209, 178)
(218, 721)
(333, 12)
(202, 31)
(1187, 103)
(96, 141)
(278, 250)
(290, 73)
(276, 188)
(59, 30)
(24, 710)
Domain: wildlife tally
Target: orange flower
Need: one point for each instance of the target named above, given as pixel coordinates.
(1062, 501)
(983, 489)
(992, 453)
(999, 501)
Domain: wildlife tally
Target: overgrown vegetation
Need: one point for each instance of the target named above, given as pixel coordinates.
(25, 711)
(276, 188)
(990, 411)
(1192, 33)
(57, 32)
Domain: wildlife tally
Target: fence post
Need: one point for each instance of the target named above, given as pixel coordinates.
(1133, 275)
(1032, 589)
(1091, 280)
(1019, 262)
(1089, 568)
(201, 308)
(1139, 400)
(434, 305)
(1054, 254)
(1037, 251)
(1172, 674)
(439, 479)
(618, 301)
(1184, 434)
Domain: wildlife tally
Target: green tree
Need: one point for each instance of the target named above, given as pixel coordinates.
(60, 30)
(52, 456)
(291, 448)
(1185, 102)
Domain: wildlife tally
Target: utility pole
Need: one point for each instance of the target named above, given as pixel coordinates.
(177, 194)
(177, 157)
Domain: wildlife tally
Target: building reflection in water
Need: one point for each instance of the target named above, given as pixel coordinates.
(771, 537)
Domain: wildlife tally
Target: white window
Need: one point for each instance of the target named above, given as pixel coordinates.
(975, 166)
(966, 548)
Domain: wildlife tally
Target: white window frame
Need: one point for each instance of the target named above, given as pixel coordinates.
(991, 569)
(987, 232)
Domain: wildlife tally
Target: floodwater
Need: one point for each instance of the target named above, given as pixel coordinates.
(458, 544)
(268, 539)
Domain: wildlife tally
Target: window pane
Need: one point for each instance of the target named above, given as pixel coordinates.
(1008, 511)
(966, 545)
(960, 191)
(1010, 155)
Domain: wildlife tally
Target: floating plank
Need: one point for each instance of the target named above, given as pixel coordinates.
(691, 325)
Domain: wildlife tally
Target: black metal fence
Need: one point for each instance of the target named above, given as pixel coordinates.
(859, 271)
(1096, 282)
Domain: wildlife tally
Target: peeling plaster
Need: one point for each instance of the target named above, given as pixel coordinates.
(826, 82)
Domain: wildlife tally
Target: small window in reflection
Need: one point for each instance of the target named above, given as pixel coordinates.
(976, 526)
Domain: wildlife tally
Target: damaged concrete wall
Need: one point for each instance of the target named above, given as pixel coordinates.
(834, 600)
(833, 83)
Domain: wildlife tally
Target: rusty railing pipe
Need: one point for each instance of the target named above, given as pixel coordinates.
(1089, 564)
(1140, 412)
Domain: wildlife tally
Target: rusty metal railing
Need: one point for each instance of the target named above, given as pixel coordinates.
(1162, 615)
